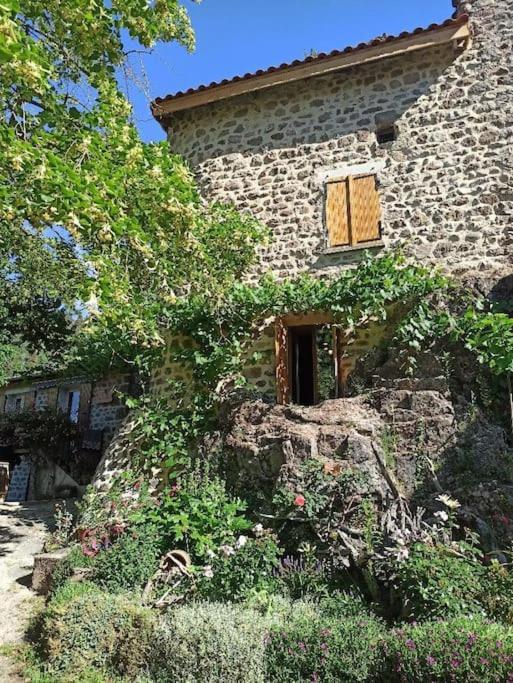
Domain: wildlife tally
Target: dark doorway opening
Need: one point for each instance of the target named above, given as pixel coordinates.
(304, 362)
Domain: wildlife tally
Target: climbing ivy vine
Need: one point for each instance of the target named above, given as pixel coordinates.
(423, 305)
(222, 330)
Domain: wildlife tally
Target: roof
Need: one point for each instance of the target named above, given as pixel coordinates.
(452, 30)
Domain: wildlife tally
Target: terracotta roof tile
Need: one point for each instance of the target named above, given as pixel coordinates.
(455, 21)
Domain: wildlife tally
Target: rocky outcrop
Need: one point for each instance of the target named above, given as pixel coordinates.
(406, 440)
(265, 438)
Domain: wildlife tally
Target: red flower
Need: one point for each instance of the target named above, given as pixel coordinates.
(299, 500)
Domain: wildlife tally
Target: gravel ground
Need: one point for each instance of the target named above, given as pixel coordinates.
(23, 527)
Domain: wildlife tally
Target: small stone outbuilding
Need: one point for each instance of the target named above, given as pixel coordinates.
(95, 408)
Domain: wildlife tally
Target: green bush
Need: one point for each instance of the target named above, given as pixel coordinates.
(84, 628)
(249, 569)
(497, 597)
(199, 515)
(456, 650)
(130, 561)
(303, 576)
(64, 570)
(345, 605)
(435, 583)
(207, 642)
(324, 649)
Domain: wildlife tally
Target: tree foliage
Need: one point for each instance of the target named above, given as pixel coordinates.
(90, 216)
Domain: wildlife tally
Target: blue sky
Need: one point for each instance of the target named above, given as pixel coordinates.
(237, 36)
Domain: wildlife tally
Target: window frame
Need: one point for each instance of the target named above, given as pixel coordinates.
(340, 174)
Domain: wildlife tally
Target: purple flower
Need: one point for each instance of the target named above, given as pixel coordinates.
(455, 663)
(430, 661)
(302, 646)
(324, 647)
(484, 662)
(410, 644)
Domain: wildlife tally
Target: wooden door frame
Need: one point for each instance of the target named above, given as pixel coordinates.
(283, 352)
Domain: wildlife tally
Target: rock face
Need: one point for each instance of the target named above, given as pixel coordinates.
(403, 439)
(266, 438)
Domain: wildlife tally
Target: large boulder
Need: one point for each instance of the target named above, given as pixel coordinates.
(404, 438)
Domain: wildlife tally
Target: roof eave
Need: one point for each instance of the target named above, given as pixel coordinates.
(456, 33)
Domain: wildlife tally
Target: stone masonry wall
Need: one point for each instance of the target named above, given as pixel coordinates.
(260, 374)
(446, 184)
(101, 406)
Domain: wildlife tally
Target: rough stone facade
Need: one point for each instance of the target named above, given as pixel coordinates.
(446, 183)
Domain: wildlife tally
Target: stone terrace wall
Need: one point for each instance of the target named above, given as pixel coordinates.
(446, 186)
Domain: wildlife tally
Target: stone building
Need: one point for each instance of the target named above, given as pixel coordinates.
(404, 140)
(95, 407)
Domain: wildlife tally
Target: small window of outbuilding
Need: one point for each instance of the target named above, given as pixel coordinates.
(73, 406)
(69, 404)
(353, 212)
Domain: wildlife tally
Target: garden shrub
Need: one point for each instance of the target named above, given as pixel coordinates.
(64, 570)
(85, 628)
(198, 515)
(324, 649)
(303, 576)
(130, 561)
(497, 597)
(436, 583)
(341, 605)
(206, 642)
(249, 568)
(464, 649)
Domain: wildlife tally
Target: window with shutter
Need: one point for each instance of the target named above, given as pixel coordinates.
(337, 213)
(353, 213)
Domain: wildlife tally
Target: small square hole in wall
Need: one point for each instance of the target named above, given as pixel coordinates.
(386, 134)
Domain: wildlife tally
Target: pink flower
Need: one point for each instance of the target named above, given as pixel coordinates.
(430, 661)
(91, 550)
(299, 501)
(410, 644)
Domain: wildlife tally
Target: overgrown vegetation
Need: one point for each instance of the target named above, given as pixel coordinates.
(91, 218)
(311, 569)
(105, 243)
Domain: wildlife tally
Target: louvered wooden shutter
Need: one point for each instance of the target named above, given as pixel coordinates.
(353, 212)
(364, 209)
(282, 362)
(337, 213)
